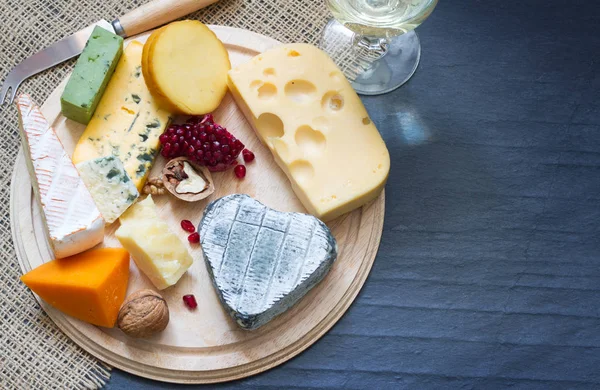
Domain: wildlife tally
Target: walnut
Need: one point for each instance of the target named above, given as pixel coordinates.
(154, 186)
(143, 314)
(187, 180)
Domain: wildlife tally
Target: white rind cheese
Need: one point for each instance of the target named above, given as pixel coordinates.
(110, 186)
(262, 261)
(73, 222)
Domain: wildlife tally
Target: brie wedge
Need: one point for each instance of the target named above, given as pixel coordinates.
(73, 222)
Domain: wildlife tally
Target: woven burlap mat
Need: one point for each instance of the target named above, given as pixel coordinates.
(34, 353)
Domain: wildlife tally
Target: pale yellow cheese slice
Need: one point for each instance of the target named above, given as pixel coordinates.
(156, 250)
(306, 112)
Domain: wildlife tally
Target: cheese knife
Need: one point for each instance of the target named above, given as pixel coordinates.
(150, 15)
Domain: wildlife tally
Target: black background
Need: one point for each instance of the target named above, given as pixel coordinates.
(488, 272)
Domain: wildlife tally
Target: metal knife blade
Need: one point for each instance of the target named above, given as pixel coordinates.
(54, 54)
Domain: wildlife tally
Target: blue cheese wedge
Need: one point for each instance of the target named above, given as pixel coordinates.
(127, 122)
(262, 261)
(110, 186)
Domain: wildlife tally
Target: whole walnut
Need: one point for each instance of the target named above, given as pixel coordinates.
(143, 314)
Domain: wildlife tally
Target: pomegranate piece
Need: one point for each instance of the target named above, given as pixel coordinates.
(240, 171)
(188, 226)
(194, 238)
(248, 155)
(190, 301)
(203, 141)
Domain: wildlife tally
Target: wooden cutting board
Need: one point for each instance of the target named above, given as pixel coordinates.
(205, 345)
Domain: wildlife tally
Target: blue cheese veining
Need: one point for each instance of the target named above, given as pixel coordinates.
(110, 186)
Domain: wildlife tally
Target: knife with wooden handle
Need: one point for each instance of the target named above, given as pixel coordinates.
(150, 15)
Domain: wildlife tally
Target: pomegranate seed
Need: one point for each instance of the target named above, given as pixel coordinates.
(190, 301)
(194, 238)
(248, 155)
(188, 226)
(240, 171)
(202, 141)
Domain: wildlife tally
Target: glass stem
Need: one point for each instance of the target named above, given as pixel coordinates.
(369, 49)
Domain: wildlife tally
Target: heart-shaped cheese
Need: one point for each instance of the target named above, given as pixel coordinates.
(262, 261)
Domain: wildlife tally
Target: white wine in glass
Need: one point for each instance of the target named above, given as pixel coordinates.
(378, 35)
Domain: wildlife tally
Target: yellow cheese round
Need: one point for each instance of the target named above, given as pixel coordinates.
(160, 99)
(187, 65)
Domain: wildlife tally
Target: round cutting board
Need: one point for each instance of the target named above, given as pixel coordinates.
(204, 345)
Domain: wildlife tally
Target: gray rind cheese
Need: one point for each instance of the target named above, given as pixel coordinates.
(262, 261)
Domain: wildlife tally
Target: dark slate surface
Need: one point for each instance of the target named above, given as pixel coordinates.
(488, 274)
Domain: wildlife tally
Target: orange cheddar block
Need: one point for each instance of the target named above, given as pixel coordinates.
(89, 286)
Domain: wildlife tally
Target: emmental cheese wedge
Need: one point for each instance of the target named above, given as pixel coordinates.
(90, 286)
(157, 251)
(306, 112)
(73, 222)
(127, 122)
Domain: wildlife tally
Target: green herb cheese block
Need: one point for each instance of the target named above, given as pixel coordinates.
(94, 68)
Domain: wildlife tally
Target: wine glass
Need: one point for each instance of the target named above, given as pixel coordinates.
(373, 41)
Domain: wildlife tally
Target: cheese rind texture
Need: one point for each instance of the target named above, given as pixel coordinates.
(73, 222)
(262, 261)
(93, 69)
(89, 286)
(127, 122)
(157, 251)
(110, 186)
(306, 112)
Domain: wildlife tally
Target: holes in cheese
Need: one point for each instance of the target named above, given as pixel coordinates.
(267, 91)
(201, 61)
(336, 76)
(335, 160)
(280, 149)
(332, 101)
(269, 126)
(311, 141)
(300, 91)
(302, 170)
